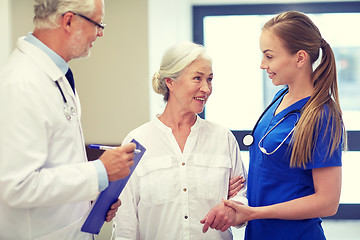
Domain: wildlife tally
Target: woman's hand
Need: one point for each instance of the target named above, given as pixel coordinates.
(112, 211)
(219, 217)
(235, 185)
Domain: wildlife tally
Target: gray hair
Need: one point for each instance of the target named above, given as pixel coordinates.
(47, 12)
(174, 61)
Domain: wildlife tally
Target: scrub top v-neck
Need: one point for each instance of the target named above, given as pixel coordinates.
(272, 181)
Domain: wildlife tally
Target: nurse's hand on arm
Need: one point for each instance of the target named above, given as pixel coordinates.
(235, 185)
(324, 202)
(118, 161)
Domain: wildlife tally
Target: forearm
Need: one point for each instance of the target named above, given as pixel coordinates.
(324, 202)
(302, 208)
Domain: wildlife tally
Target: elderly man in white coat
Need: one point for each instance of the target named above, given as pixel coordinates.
(46, 181)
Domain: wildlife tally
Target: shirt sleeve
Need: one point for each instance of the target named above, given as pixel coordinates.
(238, 169)
(321, 154)
(126, 225)
(102, 174)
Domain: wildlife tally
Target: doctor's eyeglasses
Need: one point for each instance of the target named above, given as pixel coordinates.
(100, 26)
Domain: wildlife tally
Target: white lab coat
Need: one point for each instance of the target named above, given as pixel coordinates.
(45, 180)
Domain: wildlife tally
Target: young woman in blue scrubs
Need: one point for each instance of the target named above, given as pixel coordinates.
(295, 160)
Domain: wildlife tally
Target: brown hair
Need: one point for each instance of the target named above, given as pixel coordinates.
(298, 32)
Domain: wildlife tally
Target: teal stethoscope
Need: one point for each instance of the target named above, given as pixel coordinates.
(248, 139)
(68, 111)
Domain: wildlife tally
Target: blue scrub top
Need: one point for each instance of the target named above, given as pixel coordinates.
(271, 180)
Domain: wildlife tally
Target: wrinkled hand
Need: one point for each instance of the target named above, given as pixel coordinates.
(112, 211)
(235, 185)
(118, 161)
(220, 217)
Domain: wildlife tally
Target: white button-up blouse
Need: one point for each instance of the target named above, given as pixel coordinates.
(171, 191)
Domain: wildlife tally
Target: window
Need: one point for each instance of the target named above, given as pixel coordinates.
(233, 42)
(241, 90)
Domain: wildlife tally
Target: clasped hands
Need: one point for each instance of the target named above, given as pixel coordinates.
(220, 217)
(228, 212)
(224, 215)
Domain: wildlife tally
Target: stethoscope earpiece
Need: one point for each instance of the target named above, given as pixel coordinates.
(263, 150)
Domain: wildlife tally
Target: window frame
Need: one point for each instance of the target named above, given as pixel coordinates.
(345, 211)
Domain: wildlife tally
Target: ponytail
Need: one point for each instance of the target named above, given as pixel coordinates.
(299, 33)
(325, 94)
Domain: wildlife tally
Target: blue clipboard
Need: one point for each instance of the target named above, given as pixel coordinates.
(97, 215)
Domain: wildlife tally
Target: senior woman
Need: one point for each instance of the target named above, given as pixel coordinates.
(186, 169)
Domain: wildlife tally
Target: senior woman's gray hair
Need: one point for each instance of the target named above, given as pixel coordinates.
(47, 12)
(174, 61)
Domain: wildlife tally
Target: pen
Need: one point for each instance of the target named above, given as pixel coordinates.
(103, 147)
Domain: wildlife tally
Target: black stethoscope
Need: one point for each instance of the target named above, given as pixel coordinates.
(248, 139)
(68, 111)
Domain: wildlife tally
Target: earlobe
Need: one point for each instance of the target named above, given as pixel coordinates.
(169, 82)
(66, 20)
(302, 56)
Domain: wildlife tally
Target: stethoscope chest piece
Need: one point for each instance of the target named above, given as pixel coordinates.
(248, 140)
(69, 111)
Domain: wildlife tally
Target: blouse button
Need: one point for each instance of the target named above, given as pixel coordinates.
(186, 217)
(184, 189)
(183, 164)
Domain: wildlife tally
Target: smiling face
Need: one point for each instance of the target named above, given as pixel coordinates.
(277, 61)
(191, 90)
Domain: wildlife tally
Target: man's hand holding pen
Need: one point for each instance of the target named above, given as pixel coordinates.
(118, 161)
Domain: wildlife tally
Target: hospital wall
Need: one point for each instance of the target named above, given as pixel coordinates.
(114, 83)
